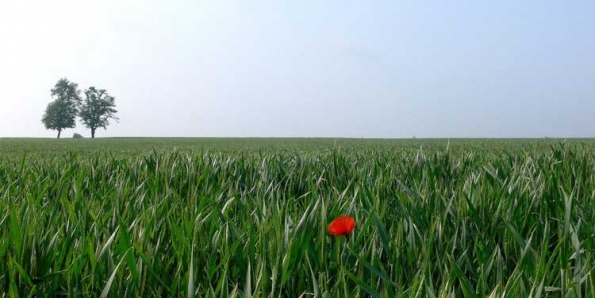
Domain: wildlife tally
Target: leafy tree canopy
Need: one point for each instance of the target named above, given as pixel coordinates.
(67, 92)
(61, 113)
(97, 109)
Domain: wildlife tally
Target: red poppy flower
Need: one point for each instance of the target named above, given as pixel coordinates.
(341, 226)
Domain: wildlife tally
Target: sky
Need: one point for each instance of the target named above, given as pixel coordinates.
(371, 69)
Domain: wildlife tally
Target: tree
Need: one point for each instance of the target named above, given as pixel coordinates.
(97, 109)
(61, 113)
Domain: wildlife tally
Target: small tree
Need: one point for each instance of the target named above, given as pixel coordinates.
(61, 113)
(97, 109)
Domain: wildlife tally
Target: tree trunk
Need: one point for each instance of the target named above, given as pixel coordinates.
(92, 133)
(59, 132)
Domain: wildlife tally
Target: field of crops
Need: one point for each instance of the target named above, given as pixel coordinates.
(249, 218)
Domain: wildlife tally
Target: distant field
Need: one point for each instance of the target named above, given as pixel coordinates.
(248, 217)
(10, 148)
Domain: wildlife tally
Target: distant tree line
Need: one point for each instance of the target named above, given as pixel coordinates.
(95, 110)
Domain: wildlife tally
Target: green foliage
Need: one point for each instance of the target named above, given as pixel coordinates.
(97, 109)
(57, 116)
(61, 113)
(248, 218)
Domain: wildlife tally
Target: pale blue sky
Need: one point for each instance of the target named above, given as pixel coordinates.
(307, 68)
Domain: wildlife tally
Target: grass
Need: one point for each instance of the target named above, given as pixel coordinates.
(248, 218)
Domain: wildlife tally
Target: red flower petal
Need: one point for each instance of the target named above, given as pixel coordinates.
(341, 226)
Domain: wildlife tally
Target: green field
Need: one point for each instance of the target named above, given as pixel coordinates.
(248, 218)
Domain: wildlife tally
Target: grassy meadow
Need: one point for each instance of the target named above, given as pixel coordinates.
(248, 218)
